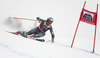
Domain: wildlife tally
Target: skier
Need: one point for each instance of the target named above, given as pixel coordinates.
(39, 31)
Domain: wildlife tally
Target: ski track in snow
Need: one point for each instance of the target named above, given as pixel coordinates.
(86, 51)
(14, 51)
(6, 47)
(61, 44)
(57, 43)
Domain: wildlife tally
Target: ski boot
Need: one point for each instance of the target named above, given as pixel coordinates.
(23, 33)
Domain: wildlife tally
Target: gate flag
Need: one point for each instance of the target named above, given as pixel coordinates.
(90, 18)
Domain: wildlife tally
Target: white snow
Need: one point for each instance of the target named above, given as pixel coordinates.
(66, 15)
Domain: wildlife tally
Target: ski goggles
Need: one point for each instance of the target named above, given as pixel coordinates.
(49, 22)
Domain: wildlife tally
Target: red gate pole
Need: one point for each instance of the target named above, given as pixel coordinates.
(97, 9)
(84, 4)
(75, 33)
(95, 30)
(78, 25)
(94, 39)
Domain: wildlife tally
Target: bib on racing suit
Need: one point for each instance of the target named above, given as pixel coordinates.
(44, 27)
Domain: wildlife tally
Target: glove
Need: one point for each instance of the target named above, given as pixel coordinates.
(52, 40)
(37, 18)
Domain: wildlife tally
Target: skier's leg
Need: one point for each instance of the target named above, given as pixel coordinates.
(39, 35)
(33, 31)
(24, 33)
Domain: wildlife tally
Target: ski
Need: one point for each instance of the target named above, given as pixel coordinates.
(40, 40)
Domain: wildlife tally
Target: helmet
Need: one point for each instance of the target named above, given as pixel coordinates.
(50, 19)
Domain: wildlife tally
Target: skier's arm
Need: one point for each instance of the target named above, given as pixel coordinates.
(52, 34)
(40, 20)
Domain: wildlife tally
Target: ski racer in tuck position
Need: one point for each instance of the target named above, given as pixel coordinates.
(39, 31)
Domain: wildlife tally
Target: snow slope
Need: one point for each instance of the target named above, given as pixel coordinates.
(12, 46)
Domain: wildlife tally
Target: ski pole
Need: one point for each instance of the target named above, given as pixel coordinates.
(22, 18)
